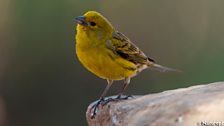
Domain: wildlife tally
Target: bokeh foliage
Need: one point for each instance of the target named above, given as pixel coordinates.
(42, 82)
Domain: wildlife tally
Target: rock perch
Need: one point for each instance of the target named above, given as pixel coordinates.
(201, 105)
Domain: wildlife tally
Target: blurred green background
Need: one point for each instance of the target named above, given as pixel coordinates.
(43, 84)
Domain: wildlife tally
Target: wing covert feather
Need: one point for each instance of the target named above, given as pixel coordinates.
(123, 47)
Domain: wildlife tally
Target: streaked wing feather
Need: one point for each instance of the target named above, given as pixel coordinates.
(122, 46)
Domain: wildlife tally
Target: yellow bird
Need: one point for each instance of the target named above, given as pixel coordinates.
(108, 53)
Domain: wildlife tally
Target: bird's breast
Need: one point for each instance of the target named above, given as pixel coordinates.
(103, 62)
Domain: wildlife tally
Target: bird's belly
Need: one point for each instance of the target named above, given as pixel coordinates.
(102, 65)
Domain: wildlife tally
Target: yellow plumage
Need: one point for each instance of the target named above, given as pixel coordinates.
(92, 51)
(101, 61)
(108, 53)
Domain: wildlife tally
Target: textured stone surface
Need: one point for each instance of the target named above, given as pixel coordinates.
(191, 106)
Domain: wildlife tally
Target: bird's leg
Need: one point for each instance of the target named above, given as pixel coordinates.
(119, 97)
(101, 100)
(124, 87)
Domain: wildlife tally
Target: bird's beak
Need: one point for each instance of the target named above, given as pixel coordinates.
(81, 20)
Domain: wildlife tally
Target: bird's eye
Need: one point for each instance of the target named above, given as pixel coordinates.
(92, 23)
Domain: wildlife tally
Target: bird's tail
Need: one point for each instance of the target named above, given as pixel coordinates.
(163, 68)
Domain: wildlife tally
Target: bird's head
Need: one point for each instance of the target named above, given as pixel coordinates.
(94, 21)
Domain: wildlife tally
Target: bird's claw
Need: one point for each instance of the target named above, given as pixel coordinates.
(95, 107)
(103, 102)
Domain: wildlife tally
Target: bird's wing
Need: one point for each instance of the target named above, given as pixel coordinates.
(123, 47)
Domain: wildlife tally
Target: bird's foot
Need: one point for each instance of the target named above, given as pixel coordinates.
(103, 102)
(118, 98)
(94, 108)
